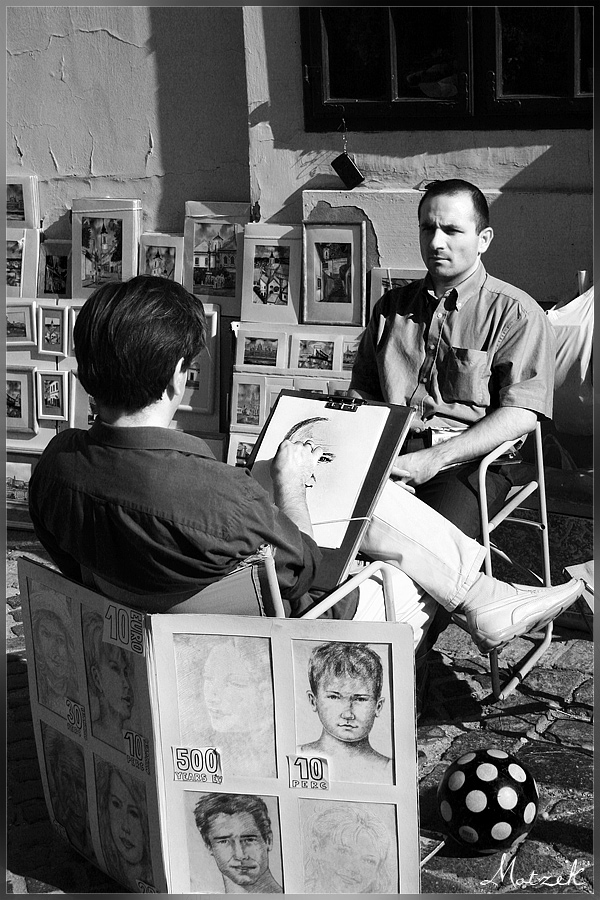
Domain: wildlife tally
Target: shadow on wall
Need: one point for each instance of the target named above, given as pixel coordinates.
(202, 107)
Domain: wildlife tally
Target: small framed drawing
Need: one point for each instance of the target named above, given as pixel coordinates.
(22, 255)
(248, 402)
(213, 250)
(162, 254)
(349, 351)
(384, 279)
(240, 448)
(52, 330)
(334, 274)
(317, 385)
(200, 386)
(274, 387)
(316, 352)
(271, 283)
(106, 236)
(19, 469)
(256, 348)
(21, 323)
(52, 395)
(20, 399)
(73, 313)
(54, 276)
(22, 201)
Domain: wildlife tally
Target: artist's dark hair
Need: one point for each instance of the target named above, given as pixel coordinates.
(339, 659)
(212, 805)
(451, 188)
(129, 337)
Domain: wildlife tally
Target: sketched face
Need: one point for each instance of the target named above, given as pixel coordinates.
(346, 706)
(113, 680)
(231, 694)
(54, 645)
(239, 849)
(70, 806)
(125, 821)
(352, 864)
(316, 431)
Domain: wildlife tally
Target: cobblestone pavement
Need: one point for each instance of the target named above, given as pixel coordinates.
(547, 722)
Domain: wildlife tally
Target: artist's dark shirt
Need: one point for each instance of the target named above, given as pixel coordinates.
(152, 512)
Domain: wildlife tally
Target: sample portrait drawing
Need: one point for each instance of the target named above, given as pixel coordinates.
(101, 251)
(123, 826)
(348, 848)
(225, 692)
(14, 263)
(270, 274)
(55, 659)
(159, 261)
(238, 833)
(315, 354)
(346, 695)
(67, 785)
(110, 682)
(215, 255)
(333, 282)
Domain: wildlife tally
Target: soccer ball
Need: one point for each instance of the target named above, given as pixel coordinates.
(488, 801)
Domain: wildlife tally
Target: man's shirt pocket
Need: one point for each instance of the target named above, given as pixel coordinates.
(464, 377)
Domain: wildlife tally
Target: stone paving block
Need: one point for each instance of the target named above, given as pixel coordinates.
(578, 656)
(536, 865)
(554, 683)
(559, 766)
(572, 732)
(585, 694)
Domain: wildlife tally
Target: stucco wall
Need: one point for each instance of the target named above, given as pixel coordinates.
(128, 101)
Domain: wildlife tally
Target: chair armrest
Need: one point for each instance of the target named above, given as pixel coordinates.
(353, 582)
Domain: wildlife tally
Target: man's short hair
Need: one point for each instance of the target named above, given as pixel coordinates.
(350, 660)
(129, 336)
(453, 186)
(212, 805)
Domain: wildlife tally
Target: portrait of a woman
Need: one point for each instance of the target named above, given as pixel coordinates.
(110, 683)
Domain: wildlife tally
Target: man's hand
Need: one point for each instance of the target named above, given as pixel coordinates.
(293, 471)
(417, 467)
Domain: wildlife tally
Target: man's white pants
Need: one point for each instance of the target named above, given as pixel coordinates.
(433, 560)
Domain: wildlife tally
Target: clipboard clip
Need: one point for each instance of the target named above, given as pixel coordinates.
(345, 404)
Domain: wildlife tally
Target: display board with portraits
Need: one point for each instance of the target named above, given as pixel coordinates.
(213, 754)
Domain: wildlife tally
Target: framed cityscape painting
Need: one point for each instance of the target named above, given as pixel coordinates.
(20, 399)
(22, 256)
(161, 254)
(259, 349)
(19, 469)
(54, 275)
(52, 395)
(52, 330)
(315, 352)
(272, 263)
(106, 234)
(22, 201)
(21, 323)
(334, 274)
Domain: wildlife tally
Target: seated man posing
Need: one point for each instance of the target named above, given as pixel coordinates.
(134, 506)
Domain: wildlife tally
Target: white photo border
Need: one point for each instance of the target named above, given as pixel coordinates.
(31, 203)
(62, 348)
(256, 235)
(62, 376)
(29, 238)
(239, 379)
(30, 339)
(27, 422)
(248, 331)
(323, 313)
(160, 239)
(302, 338)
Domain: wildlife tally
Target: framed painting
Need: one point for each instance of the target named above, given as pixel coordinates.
(73, 313)
(334, 274)
(52, 330)
(19, 469)
(248, 402)
(22, 201)
(82, 410)
(200, 386)
(20, 399)
(106, 236)
(274, 386)
(260, 349)
(54, 275)
(162, 255)
(52, 395)
(239, 449)
(22, 255)
(317, 385)
(338, 386)
(271, 282)
(384, 279)
(315, 352)
(21, 323)
(349, 351)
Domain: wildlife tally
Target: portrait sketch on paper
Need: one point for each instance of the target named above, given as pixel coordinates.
(56, 668)
(333, 280)
(123, 826)
(111, 681)
(67, 785)
(234, 843)
(214, 258)
(225, 695)
(343, 709)
(14, 263)
(270, 274)
(348, 847)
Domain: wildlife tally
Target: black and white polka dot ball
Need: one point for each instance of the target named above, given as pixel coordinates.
(488, 800)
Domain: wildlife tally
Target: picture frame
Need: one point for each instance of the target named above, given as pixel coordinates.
(105, 242)
(81, 406)
(338, 386)
(258, 350)
(20, 399)
(384, 278)
(52, 395)
(272, 267)
(248, 402)
(239, 449)
(318, 385)
(349, 351)
(213, 251)
(21, 323)
(161, 254)
(19, 469)
(52, 330)
(274, 387)
(200, 390)
(22, 256)
(315, 352)
(334, 274)
(22, 201)
(74, 309)
(54, 273)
